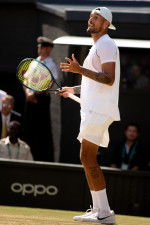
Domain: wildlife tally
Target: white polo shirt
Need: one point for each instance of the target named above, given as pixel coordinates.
(95, 96)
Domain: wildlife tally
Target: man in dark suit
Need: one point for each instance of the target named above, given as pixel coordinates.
(7, 114)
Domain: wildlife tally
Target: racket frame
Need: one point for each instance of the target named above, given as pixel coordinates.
(53, 79)
(75, 98)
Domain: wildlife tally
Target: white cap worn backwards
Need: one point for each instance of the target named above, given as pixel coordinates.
(106, 13)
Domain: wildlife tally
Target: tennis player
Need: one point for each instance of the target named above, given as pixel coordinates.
(99, 108)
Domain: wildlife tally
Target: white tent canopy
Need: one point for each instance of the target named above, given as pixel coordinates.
(88, 41)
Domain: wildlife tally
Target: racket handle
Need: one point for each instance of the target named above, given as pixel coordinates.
(75, 98)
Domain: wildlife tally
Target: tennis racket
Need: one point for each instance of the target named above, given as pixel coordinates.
(36, 76)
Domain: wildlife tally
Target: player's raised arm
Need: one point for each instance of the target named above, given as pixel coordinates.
(107, 76)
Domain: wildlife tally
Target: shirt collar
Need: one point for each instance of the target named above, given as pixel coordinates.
(101, 38)
(45, 60)
(7, 141)
(8, 118)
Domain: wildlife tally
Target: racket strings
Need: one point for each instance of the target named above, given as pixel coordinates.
(34, 75)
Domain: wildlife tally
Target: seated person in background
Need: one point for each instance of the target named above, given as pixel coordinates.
(130, 153)
(7, 114)
(12, 147)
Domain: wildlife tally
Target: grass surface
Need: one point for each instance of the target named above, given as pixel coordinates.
(33, 216)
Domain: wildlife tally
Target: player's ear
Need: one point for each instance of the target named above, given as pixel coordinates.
(106, 24)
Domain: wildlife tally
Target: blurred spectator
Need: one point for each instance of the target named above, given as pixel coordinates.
(37, 126)
(7, 114)
(135, 71)
(130, 153)
(142, 82)
(134, 74)
(12, 147)
(125, 67)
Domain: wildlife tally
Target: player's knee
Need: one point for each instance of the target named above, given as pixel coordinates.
(85, 158)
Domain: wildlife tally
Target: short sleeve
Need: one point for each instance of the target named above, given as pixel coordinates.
(107, 52)
(54, 71)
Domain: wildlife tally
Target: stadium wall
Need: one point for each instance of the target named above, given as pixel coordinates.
(63, 186)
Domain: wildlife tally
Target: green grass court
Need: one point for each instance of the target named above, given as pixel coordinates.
(36, 216)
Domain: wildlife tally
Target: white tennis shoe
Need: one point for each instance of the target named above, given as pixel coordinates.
(88, 213)
(96, 218)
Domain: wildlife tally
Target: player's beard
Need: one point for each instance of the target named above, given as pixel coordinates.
(93, 30)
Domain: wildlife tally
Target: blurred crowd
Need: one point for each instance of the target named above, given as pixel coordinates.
(28, 136)
(135, 71)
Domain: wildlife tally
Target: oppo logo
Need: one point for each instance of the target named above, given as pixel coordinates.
(37, 189)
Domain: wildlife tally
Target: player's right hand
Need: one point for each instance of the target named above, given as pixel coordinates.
(65, 91)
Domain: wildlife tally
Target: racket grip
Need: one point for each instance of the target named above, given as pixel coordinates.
(75, 98)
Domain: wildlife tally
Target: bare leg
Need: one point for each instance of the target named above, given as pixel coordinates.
(96, 182)
(94, 174)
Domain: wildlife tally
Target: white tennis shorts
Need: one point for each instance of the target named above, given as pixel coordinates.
(94, 128)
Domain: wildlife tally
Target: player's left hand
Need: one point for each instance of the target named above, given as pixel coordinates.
(73, 65)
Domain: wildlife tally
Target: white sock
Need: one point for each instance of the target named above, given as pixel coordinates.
(102, 201)
(95, 200)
